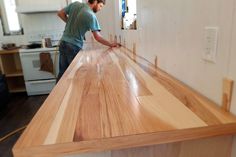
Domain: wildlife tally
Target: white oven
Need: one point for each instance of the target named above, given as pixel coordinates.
(38, 82)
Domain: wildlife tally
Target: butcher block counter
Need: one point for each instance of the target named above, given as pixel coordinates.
(110, 103)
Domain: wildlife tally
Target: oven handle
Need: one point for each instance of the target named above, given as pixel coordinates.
(36, 53)
(44, 81)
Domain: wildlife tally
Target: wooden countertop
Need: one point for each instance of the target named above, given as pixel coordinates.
(5, 52)
(107, 101)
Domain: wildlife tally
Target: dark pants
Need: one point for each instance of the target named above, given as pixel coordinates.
(67, 52)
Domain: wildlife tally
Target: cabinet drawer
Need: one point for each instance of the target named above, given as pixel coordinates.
(40, 87)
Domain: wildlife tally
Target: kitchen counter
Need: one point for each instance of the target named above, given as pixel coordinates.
(106, 101)
(2, 52)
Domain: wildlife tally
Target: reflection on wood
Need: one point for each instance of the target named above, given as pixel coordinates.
(107, 101)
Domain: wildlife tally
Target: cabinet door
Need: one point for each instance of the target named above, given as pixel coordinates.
(25, 6)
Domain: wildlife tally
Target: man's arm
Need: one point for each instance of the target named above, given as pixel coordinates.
(62, 14)
(101, 40)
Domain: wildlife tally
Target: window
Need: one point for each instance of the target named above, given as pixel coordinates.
(9, 18)
(129, 14)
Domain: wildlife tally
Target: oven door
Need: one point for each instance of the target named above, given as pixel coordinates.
(31, 66)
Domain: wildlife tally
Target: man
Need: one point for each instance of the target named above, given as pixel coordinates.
(79, 18)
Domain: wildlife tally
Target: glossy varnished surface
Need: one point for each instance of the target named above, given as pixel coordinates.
(107, 101)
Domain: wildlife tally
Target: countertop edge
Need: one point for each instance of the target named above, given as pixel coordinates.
(125, 142)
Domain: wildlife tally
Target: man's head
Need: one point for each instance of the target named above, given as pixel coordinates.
(96, 4)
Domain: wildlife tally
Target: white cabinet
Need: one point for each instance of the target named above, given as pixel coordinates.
(38, 9)
(38, 82)
(39, 87)
(30, 6)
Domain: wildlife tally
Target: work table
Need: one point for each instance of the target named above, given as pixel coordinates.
(108, 100)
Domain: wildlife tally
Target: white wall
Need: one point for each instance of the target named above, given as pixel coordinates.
(174, 32)
(232, 70)
(106, 18)
(232, 63)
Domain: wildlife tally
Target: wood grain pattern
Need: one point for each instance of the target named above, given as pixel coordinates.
(107, 101)
(130, 142)
(207, 110)
(53, 132)
(212, 147)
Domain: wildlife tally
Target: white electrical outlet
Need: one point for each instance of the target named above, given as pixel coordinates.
(211, 43)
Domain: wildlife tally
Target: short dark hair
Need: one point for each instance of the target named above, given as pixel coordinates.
(99, 1)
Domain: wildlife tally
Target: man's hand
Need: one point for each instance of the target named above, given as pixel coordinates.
(101, 40)
(62, 15)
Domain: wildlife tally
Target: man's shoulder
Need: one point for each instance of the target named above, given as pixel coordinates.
(76, 3)
(89, 14)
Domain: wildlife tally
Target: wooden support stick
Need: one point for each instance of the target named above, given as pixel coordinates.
(120, 39)
(227, 94)
(156, 62)
(115, 39)
(134, 51)
(124, 45)
(111, 38)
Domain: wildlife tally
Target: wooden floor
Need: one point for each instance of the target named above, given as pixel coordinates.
(18, 113)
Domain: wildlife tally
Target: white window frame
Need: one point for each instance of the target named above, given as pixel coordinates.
(4, 21)
(131, 15)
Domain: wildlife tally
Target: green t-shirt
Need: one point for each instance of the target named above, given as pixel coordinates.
(80, 20)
